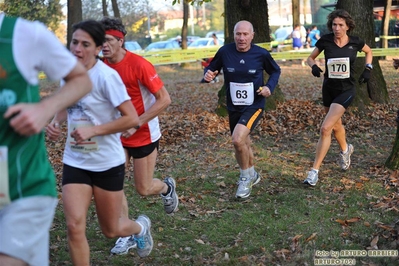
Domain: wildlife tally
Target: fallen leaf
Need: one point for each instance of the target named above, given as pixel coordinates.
(200, 241)
(311, 237)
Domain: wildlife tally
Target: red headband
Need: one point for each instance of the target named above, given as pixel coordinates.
(115, 33)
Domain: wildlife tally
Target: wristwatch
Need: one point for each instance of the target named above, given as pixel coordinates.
(369, 66)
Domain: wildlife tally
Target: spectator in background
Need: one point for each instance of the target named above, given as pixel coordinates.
(297, 38)
(314, 36)
(215, 39)
(307, 39)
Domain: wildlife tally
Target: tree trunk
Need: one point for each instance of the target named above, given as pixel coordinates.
(305, 11)
(295, 13)
(385, 24)
(184, 28)
(393, 160)
(255, 12)
(74, 16)
(115, 8)
(105, 11)
(376, 89)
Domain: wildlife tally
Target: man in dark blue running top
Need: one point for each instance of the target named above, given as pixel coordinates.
(243, 64)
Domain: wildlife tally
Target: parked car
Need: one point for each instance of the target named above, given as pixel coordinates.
(204, 42)
(133, 46)
(162, 45)
(190, 39)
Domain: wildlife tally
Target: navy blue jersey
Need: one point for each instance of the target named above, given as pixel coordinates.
(339, 61)
(245, 70)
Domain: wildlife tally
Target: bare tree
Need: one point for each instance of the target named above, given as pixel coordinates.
(295, 13)
(254, 11)
(105, 11)
(184, 28)
(385, 24)
(115, 8)
(74, 16)
(305, 10)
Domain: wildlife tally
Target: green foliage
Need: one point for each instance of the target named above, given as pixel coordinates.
(48, 12)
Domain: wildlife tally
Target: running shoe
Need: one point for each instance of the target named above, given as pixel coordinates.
(312, 178)
(171, 200)
(144, 242)
(122, 245)
(256, 178)
(345, 158)
(244, 187)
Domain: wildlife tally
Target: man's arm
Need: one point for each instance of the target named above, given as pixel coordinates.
(28, 119)
(274, 71)
(162, 101)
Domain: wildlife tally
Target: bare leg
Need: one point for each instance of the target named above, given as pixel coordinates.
(6, 260)
(145, 183)
(339, 134)
(76, 201)
(331, 121)
(125, 208)
(242, 146)
(144, 179)
(108, 210)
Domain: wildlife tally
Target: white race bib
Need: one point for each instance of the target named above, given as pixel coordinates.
(338, 68)
(4, 186)
(242, 93)
(87, 145)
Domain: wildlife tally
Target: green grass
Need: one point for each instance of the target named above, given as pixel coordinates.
(211, 223)
(281, 223)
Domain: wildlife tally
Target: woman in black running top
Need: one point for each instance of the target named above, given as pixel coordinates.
(340, 52)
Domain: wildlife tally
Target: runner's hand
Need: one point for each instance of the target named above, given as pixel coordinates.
(210, 75)
(316, 70)
(53, 130)
(365, 76)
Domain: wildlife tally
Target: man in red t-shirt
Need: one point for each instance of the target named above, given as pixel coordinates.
(149, 97)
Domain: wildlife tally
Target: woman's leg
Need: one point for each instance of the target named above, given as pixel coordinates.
(331, 121)
(108, 207)
(76, 200)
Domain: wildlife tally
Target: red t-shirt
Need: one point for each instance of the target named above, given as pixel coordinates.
(141, 81)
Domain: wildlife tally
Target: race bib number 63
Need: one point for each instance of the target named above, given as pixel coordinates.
(242, 93)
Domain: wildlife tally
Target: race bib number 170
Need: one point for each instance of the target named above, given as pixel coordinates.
(338, 68)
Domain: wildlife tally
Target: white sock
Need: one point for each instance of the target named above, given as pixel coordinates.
(316, 170)
(142, 230)
(244, 173)
(252, 171)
